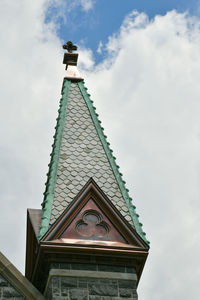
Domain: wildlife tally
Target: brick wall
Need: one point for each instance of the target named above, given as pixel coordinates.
(7, 291)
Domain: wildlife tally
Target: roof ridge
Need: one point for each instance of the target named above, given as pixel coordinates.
(18, 281)
(112, 162)
(53, 165)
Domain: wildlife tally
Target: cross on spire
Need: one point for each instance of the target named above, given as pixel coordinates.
(70, 59)
(69, 46)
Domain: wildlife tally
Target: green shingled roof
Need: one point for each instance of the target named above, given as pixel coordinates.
(49, 195)
(53, 166)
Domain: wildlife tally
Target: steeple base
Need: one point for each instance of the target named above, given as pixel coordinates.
(91, 282)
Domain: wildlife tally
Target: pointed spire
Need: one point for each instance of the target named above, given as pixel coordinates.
(81, 151)
(70, 60)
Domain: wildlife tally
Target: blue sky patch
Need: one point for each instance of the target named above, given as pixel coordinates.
(89, 27)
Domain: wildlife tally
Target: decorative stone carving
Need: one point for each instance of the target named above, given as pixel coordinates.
(92, 224)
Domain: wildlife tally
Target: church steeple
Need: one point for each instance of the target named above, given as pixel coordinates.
(85, 202)
(81, 151)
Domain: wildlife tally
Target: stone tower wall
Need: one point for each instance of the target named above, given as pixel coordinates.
(91, 282)
(7, 291)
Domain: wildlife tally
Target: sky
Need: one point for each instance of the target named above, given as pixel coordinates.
(141, 64)
(82, 20)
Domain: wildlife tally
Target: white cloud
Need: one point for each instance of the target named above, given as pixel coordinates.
(87, 4)
(86, 59)
(99, 49)
(30, 58)
(56, 9)
(147, 94)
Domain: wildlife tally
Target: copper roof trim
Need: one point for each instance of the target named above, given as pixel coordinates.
(92, 242)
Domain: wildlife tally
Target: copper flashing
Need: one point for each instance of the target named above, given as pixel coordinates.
(50, 252)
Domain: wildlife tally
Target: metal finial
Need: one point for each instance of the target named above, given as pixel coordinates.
(70, 60)
(69, 46)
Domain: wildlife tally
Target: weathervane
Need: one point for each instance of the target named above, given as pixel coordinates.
(69, 46)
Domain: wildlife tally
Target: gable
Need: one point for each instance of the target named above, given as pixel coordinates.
(91, 223)
(92, 217)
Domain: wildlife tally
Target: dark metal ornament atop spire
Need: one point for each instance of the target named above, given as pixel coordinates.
(69, 46)
(70, 58)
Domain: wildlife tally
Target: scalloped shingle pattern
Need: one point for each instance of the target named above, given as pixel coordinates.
(81, 157)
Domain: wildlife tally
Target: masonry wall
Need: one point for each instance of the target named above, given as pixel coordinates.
(100, 283)
(7, 291)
